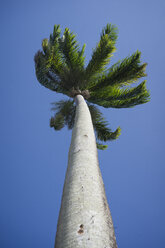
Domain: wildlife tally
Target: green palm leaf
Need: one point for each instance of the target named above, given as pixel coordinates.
(103, 52)
(66, 109)
(55, 35)
(53, 55)
(45, 76)
(57, 121)
(101, 146)
(70, 48)
(74, 58)
(115, 97)
(127, 103)
(103, 132)
(128, 71)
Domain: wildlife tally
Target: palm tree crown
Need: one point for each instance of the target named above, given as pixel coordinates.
(60, 66)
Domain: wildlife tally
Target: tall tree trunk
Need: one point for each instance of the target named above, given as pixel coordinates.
(84, 219)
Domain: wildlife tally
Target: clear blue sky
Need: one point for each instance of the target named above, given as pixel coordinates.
(34, 156)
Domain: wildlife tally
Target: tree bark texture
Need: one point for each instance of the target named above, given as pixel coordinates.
(84, 220)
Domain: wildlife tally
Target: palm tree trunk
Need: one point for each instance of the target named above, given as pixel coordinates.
(84, 219)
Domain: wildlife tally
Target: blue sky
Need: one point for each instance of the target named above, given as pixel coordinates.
(34, 156)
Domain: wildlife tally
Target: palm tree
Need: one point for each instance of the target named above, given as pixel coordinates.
(85, 219)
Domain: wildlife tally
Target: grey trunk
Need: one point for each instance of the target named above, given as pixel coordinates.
(84, 220)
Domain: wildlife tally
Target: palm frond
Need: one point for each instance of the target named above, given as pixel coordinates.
(126, 93)
(44, 74)
(57, 121)
(66, 109)
(63, 59)
(141, 98)
(128, 71)
(103, 52)
(55, 35)
(101, 146)
(111, 30)
(113, 93)
(74, 59)
(70, 49)
(103, 132)
(53, 55)
(49, 63)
